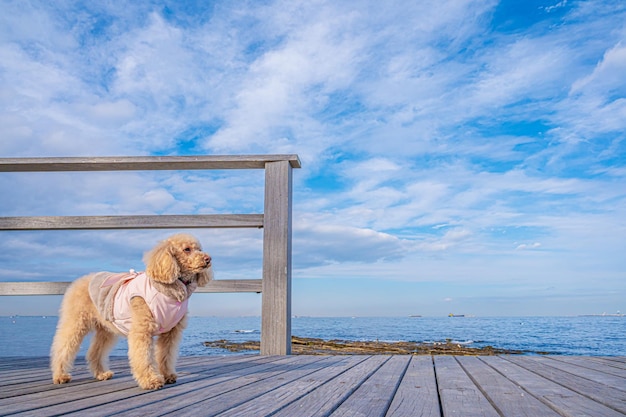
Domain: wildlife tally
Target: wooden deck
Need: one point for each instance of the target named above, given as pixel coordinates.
(251, 385)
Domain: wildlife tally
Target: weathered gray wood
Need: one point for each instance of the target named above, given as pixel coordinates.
(98, 396)
(179, 396)
(597, 366)
(313, 386)
(232, 285)
(191, 386)
(267, 403)
(58, 288)
(33, 288)
(610, 361)
(417, 394)
(557, 391)
(132, 222)
(320, 402)
(248, 391)
(458, 394)
(143, 163)
(584, 372)
(374, 396)
(220, 391)
(276, 303)
(507, 397)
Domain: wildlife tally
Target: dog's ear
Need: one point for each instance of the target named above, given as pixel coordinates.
(161, 265)
(204, 277)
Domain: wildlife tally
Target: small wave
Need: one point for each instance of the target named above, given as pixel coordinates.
(245, 331)
(454, 342)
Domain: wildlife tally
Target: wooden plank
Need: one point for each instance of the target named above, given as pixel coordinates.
(584, 372)
(33, 288)
(132, 222)
(232, 285)
(175, 397)
(143, 163)
(41, 383)
(596, 364)
(458, 393)
(276, 303)
(374, 396)
(311, 386)
(323, 400)
(417, 394)
(120, 393)
(565, 393)
(507, 397)
(237, 389)
(59, 288)
(268, 403)
(611, 361)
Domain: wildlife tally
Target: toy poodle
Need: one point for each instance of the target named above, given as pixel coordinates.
(138, 305)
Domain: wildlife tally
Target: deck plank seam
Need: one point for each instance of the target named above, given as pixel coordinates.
(480, 388)
(569, 388)
(610, 362)
(193, 378)
(539, 398)
(437, 386)
(582, 365)
(349, 393)
(594, 381)
(395, 389)
(187, 406)
(304, 394)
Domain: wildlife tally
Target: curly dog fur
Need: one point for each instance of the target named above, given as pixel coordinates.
(176, 267)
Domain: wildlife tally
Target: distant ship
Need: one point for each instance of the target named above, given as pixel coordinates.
(618, 314)
(456, 315)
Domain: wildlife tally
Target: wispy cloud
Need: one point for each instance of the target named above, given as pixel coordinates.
(444, 141)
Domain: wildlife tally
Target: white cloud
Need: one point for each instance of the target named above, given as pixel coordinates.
(318, 242)
(428, 136)
(608, 75)
(525, 246)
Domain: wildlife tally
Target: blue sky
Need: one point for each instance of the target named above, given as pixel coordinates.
(457, 156)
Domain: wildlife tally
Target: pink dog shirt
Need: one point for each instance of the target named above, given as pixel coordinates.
(167, 312)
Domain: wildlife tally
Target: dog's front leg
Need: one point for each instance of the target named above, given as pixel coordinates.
(167, 350)
(140, 349)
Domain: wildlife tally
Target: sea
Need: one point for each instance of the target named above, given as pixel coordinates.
(585, 335)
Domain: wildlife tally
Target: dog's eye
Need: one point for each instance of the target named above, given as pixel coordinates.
(187, 250)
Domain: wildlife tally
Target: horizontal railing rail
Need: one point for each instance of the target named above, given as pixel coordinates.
(192, 221)
(143, 163)
(275, 284)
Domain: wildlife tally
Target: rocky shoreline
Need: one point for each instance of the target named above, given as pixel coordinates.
(312, 346)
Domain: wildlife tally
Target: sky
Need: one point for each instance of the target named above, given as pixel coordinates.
(458, 156)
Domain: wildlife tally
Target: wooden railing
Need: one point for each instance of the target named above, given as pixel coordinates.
(275, 284)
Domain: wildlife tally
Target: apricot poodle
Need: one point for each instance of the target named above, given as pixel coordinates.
(138, 305)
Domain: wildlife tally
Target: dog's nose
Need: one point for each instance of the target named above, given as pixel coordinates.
(207, 259)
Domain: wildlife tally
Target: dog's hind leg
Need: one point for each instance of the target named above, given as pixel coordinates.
(140, 346)
(75, 321)
(167, 351)
(67, 340)
(98, 353)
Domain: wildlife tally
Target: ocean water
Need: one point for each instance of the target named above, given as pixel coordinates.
(591, 336)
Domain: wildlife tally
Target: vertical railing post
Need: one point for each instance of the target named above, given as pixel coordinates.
(276, 302)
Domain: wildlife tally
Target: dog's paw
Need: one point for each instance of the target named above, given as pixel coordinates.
(170, 378)
(103, 376)
(151, 382)
(62, 378)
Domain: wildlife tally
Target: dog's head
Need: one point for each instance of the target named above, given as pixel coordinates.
(179, 257)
